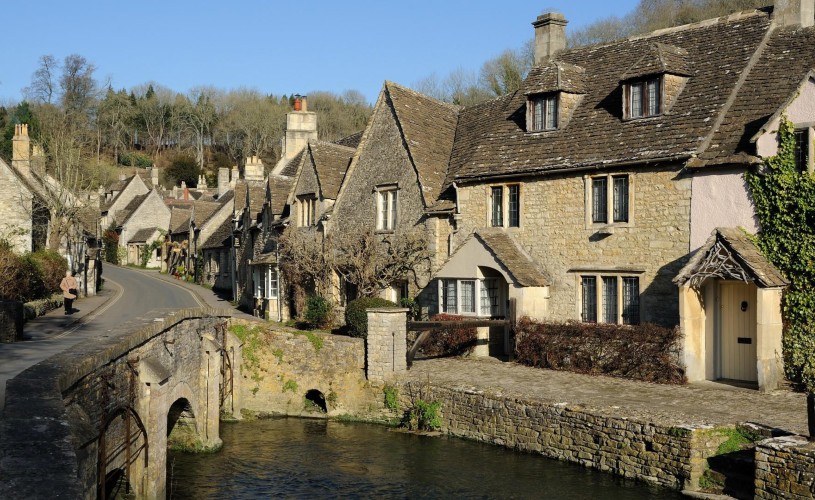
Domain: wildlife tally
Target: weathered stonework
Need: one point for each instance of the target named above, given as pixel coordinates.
(16, 214)
(11, 321)
(785, 468)
(386, 344)
(555, 232)
(673, 457)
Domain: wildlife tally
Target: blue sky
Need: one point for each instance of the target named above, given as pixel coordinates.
(275, 47)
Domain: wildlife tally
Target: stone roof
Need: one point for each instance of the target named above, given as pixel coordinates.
(218, 238)
(352, 141)
(428, 127)
(659, 59)
(257, 197)
(142, 235)
(204, 210)
(555, 76)
(180, 220)
(783, 64)
(511, 255)
(290, 170)
(280, 188)
(491, 139)
(125, 213)
(265, 253)
(742, 251)
(331, 162)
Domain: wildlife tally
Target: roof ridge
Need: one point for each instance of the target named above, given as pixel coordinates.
(453, 107)
(321, 143)
(735, 16)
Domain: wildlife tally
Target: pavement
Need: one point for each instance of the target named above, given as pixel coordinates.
(696, 404)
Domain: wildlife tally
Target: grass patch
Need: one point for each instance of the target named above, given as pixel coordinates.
(391, 398)
(290, 386)
(253, 341)
(316, 340)
(278, 353)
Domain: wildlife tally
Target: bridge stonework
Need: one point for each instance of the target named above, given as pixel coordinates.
(79, 420)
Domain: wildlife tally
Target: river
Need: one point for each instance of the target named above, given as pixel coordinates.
(299, 458)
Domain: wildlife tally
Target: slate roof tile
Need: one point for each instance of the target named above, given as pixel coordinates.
(331, 162)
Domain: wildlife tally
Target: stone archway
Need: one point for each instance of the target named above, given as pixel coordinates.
(122, 455)
(182, 429)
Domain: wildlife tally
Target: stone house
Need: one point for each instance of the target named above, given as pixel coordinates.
(218, 255)
(119, 196)
(18, 224)
(613, 164)
(142, 217)
(141, 242)
(394, 183)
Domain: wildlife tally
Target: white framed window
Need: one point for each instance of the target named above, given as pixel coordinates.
(505, 206)
(608, 199)
(271, 283)
(257, 282)
(643, 98)
(609, 298)
(471, 297)
(387, 208)
(543, 112)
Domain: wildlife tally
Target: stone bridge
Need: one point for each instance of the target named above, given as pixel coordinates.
(97, 417)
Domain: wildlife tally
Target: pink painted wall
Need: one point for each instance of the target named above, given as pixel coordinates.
(719, 199)
(800, 112)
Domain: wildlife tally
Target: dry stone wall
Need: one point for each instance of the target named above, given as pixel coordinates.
(785, 468)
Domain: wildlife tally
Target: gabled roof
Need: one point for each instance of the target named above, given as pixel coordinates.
(729, 253)
(279, 188)
(555, 76)
(659, 59)
(124, 214)
(218, 239)
(331, 162)
(204, 210)
(510, 254)
(352, 141)
(783, 64)
(491, 139)
(290, 170)
(428, 127)
(142, 235)
(257, 196)
(180, 220)
(120, 186)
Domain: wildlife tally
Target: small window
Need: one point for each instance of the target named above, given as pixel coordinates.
(631, 300)
(644, 98)
(489, 297)
(514, 208)
(387, 208)
(448, 296)
(497, 219)
(589, 299)
(614, 201)
(543, 113)
(802, 150)
(609, 299)
(467, 295)
(271, 283)
(618, 302)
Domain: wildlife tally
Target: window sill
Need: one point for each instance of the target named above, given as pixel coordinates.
(384, 231)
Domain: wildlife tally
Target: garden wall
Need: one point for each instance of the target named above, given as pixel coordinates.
(785, 467)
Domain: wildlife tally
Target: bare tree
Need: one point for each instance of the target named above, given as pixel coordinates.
(77, 84)
(307, 259)
(197, 112)
(43, 81)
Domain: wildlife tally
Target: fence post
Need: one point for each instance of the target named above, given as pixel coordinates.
(386, 343)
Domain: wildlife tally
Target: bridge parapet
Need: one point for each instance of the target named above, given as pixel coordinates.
(96, 412)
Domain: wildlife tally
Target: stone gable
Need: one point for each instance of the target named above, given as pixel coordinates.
(152, 212)
(15, 210)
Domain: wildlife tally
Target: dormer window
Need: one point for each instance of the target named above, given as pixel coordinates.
(543, 112)
(644, 98)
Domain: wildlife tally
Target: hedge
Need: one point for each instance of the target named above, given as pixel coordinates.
(449, 341)
(644, 352)
(356, 316)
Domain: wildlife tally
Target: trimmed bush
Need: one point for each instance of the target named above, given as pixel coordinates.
(20, 279)
(357, 319)
(449, 341)
(52, 267)
(318, 311)
(644, 352)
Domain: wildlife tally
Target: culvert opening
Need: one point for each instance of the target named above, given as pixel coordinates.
(315, 401)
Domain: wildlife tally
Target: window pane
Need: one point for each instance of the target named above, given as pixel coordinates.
(599, 196)
(653, 97)
(621, 199)
(514, 205)
(497, 219)
(381, 216)
(609, 299)
(551, 113)
(272, 283)
(537, 114)
(449, 296)
(467, 296)
(489, 297)
(802, 150)
(631, 301)
(589, 299)
(393, 210)
(636, 100)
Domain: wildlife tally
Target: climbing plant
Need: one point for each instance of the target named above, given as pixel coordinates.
(784, 200)
(148, 251)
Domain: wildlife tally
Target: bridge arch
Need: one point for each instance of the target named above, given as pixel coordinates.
(122, 454)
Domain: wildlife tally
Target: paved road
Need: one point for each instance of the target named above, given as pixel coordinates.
(129, 298)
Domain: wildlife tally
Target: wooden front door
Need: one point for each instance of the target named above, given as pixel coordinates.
(737, 331)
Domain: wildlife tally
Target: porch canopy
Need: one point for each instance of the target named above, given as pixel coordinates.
(730, 312)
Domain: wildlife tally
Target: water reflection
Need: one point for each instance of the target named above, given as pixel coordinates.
(295, 458)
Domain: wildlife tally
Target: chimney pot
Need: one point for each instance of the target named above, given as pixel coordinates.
(550, 36)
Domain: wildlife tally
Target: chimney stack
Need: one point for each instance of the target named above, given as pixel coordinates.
(21, 149)
(223, 181)
(154, 176)
(235, 176)
(550, 36)
(800, 13)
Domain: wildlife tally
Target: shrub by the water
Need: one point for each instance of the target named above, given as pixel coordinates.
(644, 352)
(318, 311)
(357, 319)
(449, 341)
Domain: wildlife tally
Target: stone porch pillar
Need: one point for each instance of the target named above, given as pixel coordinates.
(769, 328)
(692, 324)
(482, 342)
(386, 344)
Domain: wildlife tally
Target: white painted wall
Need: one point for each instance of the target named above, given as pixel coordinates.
(719, 199)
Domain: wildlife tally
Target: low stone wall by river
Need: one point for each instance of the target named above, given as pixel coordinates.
(785, 468)
(673, 457)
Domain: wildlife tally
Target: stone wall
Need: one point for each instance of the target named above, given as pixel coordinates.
(15, 210)
(11, 321)
(555, 231)
(386, 344)
(284, 365)
(669, 456)
(785, 468)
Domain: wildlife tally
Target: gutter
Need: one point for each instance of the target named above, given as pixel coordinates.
(519, 175)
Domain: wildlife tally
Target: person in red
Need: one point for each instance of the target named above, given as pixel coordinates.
(69, 291)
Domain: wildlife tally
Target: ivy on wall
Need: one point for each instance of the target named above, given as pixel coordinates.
(784, 201)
